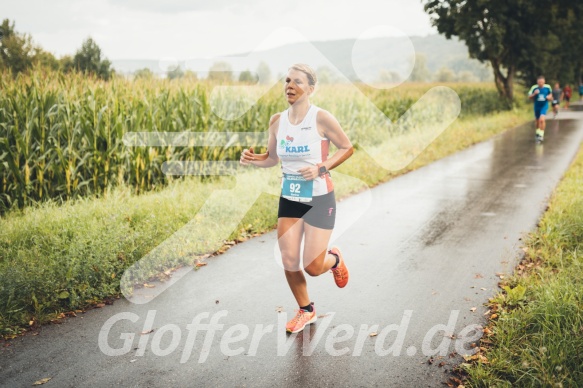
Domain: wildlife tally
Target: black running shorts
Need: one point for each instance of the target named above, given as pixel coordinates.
(320, 212)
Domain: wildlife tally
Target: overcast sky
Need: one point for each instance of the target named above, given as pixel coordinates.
(155, 29)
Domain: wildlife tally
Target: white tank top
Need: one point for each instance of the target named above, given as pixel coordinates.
(301, 145)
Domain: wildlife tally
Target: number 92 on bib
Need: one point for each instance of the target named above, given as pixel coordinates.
(296, 188)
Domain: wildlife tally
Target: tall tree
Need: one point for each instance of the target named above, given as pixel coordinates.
(88, 59)
(420, 72)
(518, 38)
(495, 31)
(263, 73)
(16, 50)
(221, 71)
(247, 77)
(175, 72)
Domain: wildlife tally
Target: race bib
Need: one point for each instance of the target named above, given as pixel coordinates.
(296, 188)
(541, 97)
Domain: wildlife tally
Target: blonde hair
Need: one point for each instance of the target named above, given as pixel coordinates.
(307, 70)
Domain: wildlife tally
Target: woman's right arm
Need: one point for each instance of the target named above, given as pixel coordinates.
(270, 158)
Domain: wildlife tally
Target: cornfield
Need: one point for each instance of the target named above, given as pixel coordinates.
(61, 134)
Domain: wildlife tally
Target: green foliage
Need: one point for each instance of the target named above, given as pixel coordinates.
(144, 73)
(247, 77)
(88, 60)
(537, 339)
(387, 76)
(58, 257)
(263, 73)
(18, 52)
(519, 38)
(220, 72)
(66, 64)
(175, 72)
(514, 296)
(420, 72)
(61, 137)
(445, 75)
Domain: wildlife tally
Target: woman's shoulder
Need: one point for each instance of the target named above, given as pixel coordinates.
(275, 118)
(323, 116)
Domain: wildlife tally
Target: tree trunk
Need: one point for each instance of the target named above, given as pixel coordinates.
(504, 84)
(509, 84)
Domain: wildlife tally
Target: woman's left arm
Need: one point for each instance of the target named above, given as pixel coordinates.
(330, 129)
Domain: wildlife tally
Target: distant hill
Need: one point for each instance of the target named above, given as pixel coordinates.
(375, 55)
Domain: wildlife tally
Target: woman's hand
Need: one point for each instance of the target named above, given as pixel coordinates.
(309, 173)
(248, 157)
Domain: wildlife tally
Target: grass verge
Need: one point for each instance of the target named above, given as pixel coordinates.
(55, 259)
(535, 333)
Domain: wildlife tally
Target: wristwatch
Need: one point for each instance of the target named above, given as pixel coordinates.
(322, 170)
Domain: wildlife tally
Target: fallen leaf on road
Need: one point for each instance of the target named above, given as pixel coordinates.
(441, 364)
(148, 285)
(430, 361)
(147, 331)
(42, 381)
(473, 309)
(279, 309)
(494, 316)
(373, 334)
(217, 301)
(323, 315)
(200, 264)
(482, 288)
(100, 305)
(478, 276)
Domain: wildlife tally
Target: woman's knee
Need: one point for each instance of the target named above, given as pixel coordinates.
(312, 270)
(290, 262)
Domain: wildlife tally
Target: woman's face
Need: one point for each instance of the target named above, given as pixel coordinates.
(297, 86)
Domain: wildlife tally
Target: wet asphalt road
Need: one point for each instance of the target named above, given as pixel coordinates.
(424, 253)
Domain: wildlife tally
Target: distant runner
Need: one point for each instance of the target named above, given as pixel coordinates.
(567, 93)
(581, 91)
(300, 137)
(557, 97)
(540, 93)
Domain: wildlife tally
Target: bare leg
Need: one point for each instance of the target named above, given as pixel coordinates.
(289, 237)
(317, 260)
(543, 123)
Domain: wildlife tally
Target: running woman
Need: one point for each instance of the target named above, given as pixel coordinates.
(567, 93)
(540, 93)
(581, 91)
(557, 97)
(300, 137)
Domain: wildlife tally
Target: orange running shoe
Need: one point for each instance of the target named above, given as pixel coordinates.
(301, 319)
(340, 272)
